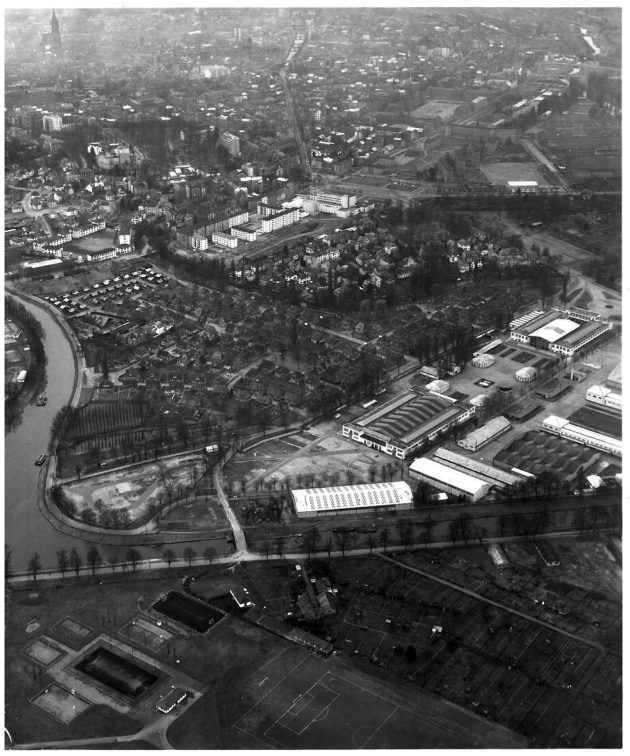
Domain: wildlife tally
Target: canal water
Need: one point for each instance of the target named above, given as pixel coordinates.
(26, 529)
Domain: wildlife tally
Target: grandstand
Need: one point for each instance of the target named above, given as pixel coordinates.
(314, 502)
(489, 431)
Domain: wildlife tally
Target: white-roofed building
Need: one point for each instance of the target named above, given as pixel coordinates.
(447, 479)
(554, 331)
(526, 374)
(317, 502)
(487, 432)
(604, 396)
(562, 427)
(439, 386)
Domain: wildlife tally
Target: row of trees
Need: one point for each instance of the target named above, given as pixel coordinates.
(72, 561)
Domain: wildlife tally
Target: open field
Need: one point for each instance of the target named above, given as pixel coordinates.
(325, 704)
(501, 173)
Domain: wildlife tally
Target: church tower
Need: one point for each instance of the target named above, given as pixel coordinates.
(51, 41)
(55, 37)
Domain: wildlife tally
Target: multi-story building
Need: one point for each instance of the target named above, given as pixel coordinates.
(280, 220)
(52, 122)
(224, 240)
(231, 143)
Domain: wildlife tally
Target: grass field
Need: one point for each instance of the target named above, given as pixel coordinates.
(307, 702)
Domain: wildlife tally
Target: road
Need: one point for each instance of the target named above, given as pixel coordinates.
(541, 158)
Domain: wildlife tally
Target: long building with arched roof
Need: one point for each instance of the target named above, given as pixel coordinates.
(407, 422)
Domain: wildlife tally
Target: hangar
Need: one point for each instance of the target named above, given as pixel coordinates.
(316, 502)
(448, 479)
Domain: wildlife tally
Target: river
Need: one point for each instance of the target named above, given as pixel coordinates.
(26, 529)
(589, 41)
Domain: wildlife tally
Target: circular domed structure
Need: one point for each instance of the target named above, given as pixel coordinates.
(480, 400)
(483, 360)
(526, 374)
(439, 386)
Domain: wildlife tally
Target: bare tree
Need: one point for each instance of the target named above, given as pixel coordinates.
(265, 548)
(34, 564)
(371, 541)
(344, 538)
(94, 558)
(133, 556)
(383, 537)
(279, 543)
(210, 554)
(169, 556)
(75, 561)
(113, 561)
(189, 555)
(62, 561)
(311, 540)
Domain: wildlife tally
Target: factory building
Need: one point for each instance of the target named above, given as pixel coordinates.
(368, 497)
(562, 427)
(407, 422)
(444, 478)
(564, 332)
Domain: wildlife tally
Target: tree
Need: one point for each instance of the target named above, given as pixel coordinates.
(371, 541)
(265, 548)
(34, 564)
(75, 561)
(113, 561)
(7, 562)
(94, 558)
(88, 516)
(133, 556)
(210, 554)
(344, 538)
(189, 555)
(169, 556)
(328, 545)
(279, 546)
(383, 537)
(429, 524)
(311, 540)
(62, 561)
(405, 529)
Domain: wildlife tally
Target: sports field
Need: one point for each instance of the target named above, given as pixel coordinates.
(303, 701)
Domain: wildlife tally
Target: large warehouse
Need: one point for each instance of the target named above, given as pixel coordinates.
(368, 497)
(564, 332)
(447, 479)
(409, 420)
(562, 427)
(486, 433)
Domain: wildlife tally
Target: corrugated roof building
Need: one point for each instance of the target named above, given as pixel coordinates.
(314, 502)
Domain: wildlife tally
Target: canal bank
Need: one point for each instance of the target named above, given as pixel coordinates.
(29, 526)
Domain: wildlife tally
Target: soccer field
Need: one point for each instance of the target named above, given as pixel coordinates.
(319, 703)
